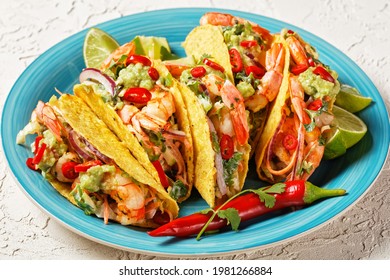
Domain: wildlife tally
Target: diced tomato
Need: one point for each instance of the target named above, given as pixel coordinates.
(39, 154)
(290, 142)
(315, 105)
(134, 59)
(153, 73)
(311, 62)
(235, 60)
(324, 74)
(248, 43)
(227, 146)
(298, 69)
(213, 65)
(198, 71)
(83, 167)
(161, 174)
(68, 170)
(137, 95)
(258, 72)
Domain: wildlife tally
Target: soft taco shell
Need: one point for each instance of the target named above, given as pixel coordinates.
(81, 118)
(115, 124)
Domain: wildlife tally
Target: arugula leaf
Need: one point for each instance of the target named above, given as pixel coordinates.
(232, 217)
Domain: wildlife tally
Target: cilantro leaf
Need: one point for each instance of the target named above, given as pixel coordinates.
(206, 211)
(232, 217)
(265, 194)
(178, 190)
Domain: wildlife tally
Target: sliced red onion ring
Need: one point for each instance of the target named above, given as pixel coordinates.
(218, 165)
(76, 143)
(97, 75)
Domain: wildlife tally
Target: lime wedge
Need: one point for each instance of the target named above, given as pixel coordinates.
(98, 45)
(335, 145)
(153, 47)
(351, 127)
(351, 100)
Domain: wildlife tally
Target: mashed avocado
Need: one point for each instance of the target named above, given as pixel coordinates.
(92, 179)
(246, 89)
(234, 35)
(317, 87)
(135, 75)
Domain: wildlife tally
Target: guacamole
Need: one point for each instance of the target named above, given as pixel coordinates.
(135, 75)
(317, 87)
(53, 148)
(92, 179)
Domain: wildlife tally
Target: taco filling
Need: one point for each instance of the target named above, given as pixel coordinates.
(91, 180)
(227, 123)
(142, 96)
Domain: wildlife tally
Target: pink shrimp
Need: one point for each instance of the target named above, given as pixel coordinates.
(46, 115)
(126, 49)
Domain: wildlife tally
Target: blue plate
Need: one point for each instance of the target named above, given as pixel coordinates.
(60, 67)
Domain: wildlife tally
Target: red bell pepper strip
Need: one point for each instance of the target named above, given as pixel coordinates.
(249, 206)
(39, 154)
(325, 75)
(83, 167)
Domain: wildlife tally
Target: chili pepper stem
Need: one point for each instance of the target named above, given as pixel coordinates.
(313, 193)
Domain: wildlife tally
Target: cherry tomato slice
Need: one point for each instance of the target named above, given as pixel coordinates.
(153, 73)
(31, 165)
(290, 142)
(39, 154)
(324, 74)
(68, 170)
(83, 167)
(137, 95)
(213, 65)
(248, 43)
(227, 146)
(290, 31)
(298, 69)
(315, 105)
(235, 60)
(134, 59)
(258, 72)
(198, 71)
(161, 174)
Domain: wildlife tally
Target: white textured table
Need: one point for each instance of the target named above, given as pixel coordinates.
(358, 28)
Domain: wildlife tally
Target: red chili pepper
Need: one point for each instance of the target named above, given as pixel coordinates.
(134, 59)
(258, 72)
(68, 170)
(227, 146)
(315, 105)
(324, 74)
(137, 95)
(153, 73)
(83, 167)
(290, 142)
(249, 206)
(248, 43)
(298, 69)
(39, 154)
(36, 143)
(213, 65)
(31, 165)
(198, 71)
(161, 174)
(235, 60)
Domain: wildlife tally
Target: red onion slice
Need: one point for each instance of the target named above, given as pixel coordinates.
(97, 75)
(98, 154)
(218, 165)
(76, 143)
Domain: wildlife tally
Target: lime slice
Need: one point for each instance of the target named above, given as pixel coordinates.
(153, 47)
(335, 145)
(352, 128)
(351, 100)
(98, 45)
